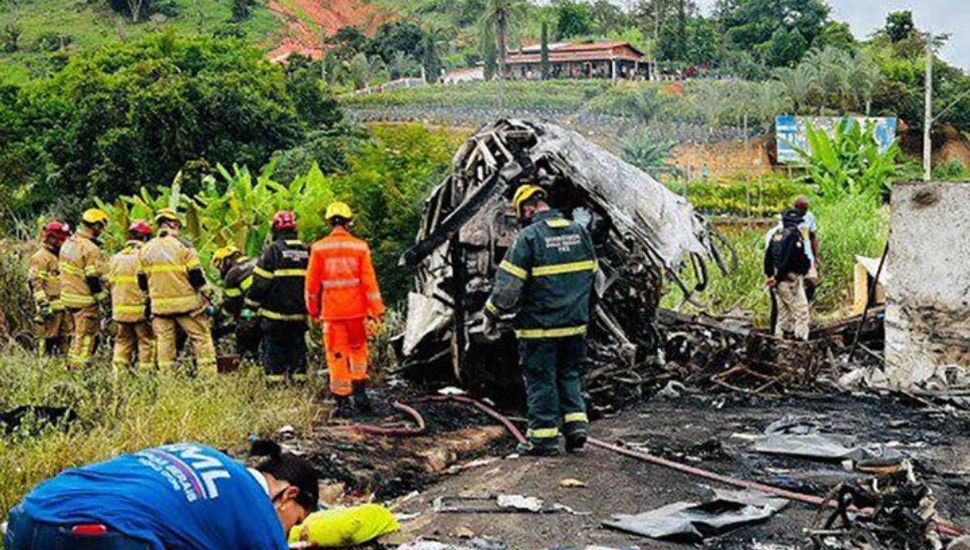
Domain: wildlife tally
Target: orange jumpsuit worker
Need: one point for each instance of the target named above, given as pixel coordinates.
(342, 291)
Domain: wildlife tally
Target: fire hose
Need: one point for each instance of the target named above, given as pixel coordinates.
(373, 429)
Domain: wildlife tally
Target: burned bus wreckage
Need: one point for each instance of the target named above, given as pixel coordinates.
(643, 232)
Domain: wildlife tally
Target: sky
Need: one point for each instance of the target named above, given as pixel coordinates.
(937, 16)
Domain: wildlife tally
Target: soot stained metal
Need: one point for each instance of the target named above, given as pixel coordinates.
(643, 232)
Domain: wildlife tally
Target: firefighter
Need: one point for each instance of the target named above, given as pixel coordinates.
(170, 272)
(129, 304)
(546, 280)
(342, 292)
(81, 266)
(53, 325)
(236, 271)
(277, 296)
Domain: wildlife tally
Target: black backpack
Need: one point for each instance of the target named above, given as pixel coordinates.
(787, 249)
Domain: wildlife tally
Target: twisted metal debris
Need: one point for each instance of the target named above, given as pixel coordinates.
(642, 230)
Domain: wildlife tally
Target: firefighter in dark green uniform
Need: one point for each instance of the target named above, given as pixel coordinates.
(546, 279)
(277, 296)
(236, 271)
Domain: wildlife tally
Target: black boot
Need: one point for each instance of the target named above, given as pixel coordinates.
(575, 441)
(531, 449)
(361, 400)
(343, 410)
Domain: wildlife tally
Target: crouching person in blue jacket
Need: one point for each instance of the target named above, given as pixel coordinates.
(168, 498)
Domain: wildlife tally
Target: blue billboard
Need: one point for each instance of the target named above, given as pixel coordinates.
(790, 133)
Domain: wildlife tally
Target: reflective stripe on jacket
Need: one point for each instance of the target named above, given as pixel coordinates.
(165, 261)
(239, 279)
(80, 258)
(278, 281)
(44, 278)
(127, 300)
(547, 277)
(341, 283)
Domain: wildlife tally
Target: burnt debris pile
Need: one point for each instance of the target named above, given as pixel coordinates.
(643, 233)
(900, 512)
(729, 353)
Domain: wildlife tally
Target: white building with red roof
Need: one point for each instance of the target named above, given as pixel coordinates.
(613, 60)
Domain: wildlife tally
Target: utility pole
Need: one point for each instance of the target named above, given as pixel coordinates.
(928, 116)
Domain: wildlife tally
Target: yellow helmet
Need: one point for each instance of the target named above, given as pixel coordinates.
(524, 193)
(340, 209)
(166, 215)
(221, 255)
(95, 215)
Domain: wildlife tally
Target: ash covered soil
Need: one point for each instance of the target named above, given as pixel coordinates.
(705, 431)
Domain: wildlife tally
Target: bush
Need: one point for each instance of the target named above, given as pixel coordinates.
(15, 302)
(52, 42)
(744, 198)
(637, 101)
(519, 94)
(133, 114)
(951, 170)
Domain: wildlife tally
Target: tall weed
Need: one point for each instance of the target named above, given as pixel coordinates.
(130, 412)
(848, 226)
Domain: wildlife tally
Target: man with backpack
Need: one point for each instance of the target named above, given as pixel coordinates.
(786, 264)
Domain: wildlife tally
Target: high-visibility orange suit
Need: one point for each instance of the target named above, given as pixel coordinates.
(342, 291)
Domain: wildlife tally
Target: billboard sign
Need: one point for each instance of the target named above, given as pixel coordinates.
(791, 134)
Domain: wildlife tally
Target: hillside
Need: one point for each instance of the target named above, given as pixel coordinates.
(303, 20)
(50, 28)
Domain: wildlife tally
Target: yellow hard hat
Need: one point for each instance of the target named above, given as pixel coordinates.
(166, 215)
(340, 209)
(222, 254)
(95, 215)
(524, 193)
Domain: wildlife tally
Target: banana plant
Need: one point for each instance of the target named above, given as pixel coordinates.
(849, 160)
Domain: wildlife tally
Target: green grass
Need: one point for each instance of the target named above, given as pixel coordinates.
(91, 24)
(132, 412)
(848, 226)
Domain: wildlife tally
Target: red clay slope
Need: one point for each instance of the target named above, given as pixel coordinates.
(305, 18)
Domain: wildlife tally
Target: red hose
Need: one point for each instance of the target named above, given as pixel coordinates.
(393, 432)
(482, 407)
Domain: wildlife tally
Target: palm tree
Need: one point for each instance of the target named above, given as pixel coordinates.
(865, 77)
(497, 18)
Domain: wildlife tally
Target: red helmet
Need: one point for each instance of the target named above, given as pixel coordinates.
(60, 231)
(140, 230)
(284, 219)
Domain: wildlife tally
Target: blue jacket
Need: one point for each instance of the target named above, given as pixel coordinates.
(173, 497)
